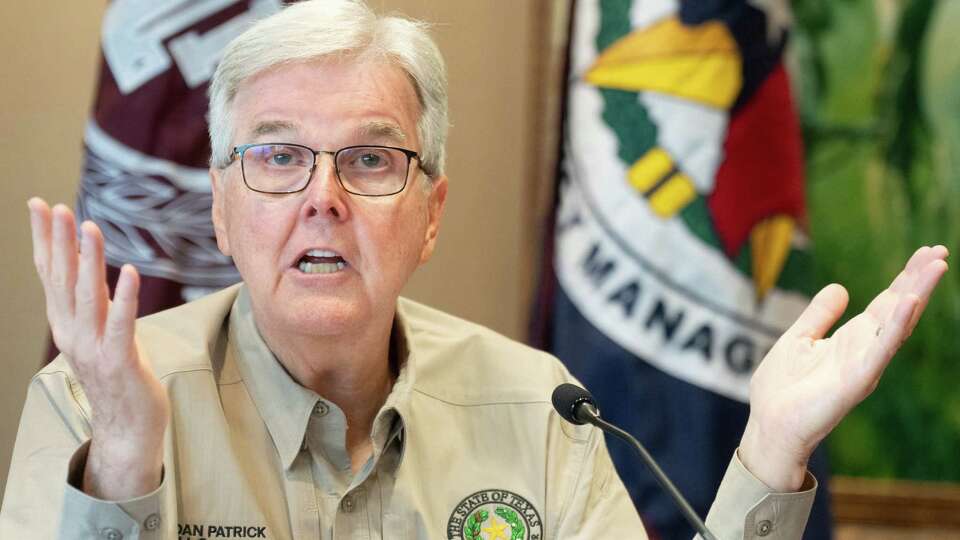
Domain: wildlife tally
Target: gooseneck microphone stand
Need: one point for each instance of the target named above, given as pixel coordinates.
(576, 405)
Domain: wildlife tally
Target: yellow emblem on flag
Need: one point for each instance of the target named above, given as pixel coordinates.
(700, 63)
(769, 247)
(657, 178)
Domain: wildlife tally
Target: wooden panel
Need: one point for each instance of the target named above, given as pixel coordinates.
(863, 502)
(876, 532)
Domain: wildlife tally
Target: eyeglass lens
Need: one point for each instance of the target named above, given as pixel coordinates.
(363, 170)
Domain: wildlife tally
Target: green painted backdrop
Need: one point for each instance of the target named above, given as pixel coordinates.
(879, 89)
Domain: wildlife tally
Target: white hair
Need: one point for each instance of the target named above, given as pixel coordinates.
(317, 29)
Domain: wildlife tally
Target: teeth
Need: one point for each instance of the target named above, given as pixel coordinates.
(322, 253)
(321, 268)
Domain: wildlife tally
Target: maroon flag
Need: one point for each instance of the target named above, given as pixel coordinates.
(144, 180)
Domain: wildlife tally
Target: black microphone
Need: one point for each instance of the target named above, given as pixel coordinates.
(576, 406)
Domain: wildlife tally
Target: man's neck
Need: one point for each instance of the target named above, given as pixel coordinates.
(353, 372)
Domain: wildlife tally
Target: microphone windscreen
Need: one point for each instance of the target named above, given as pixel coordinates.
(566, 397)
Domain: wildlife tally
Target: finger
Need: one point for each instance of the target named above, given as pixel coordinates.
(904, 280)
(923, 289)
(40, 232)
(924, 256)
(40, 229)
(821, 314)
(123, 310)
(91, 289)
(880, 308)
(893, 333)
(63, 266)
(941, 252)
(917, 281)
(915, 278)
(920, 259)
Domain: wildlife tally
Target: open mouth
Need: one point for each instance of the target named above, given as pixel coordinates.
(320, 261)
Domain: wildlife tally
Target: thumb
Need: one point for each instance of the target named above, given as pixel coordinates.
(822, 312)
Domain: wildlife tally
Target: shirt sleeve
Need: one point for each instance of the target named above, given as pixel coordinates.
(746, 508)
(50, 450)
(599, 505)
(88, 517)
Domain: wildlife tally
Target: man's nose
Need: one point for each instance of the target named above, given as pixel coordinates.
(325, 195)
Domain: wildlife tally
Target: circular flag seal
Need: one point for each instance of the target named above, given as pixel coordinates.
(494, 514)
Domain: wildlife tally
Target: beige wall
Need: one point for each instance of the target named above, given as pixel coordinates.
(48, 71)
(483, 265)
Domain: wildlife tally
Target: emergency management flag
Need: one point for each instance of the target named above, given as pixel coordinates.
(679, 248)
(144, 180)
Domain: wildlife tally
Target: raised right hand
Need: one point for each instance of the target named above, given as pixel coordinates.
(130, 408)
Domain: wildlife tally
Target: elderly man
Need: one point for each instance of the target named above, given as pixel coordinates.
(311, 401)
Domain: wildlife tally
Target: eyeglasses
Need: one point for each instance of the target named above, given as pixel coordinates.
(370, 171)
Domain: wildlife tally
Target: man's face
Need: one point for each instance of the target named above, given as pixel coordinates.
(326, 105)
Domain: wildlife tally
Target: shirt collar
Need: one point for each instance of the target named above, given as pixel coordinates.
(390, 422)
(285, 406)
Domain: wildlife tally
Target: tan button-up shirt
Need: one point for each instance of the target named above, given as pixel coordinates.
(466, 446)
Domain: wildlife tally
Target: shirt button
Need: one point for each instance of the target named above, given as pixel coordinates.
(109, 533)
(764, 527)
(348, 505)
(152, 522)
(321, 409)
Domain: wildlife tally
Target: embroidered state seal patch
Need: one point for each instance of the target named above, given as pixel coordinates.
(494, 514)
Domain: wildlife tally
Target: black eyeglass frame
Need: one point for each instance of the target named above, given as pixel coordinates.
(238, 151)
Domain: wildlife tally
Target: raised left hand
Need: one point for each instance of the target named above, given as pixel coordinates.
(809, 382)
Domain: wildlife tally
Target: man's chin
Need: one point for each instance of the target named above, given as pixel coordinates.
(324, 317)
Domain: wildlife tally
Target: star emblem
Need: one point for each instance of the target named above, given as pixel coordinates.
(496, 530)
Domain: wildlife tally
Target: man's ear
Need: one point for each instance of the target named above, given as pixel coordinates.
(435, 203)
(218, 211)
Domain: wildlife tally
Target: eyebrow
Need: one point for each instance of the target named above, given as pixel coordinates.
(377, 129)
(374, 129)
(271, 127)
